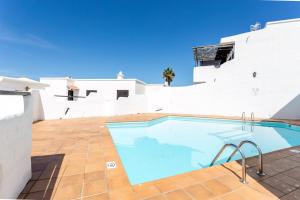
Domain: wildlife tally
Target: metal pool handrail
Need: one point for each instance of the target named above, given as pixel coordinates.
(243, 179)
(243, 116)
(252, 116)
(260, 156)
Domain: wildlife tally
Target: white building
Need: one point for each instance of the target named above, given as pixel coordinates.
(110, 89)
(254, 72)
(67, 97)
(261, 76)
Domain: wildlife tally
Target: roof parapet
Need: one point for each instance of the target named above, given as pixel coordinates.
(20, 84)
(282, 22)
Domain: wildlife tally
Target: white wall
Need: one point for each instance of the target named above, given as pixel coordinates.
(57, 86)
(273, 54)
(15, 148)
(131, 105)
(55, 107)
(102, 103)
(230, 90)
(37, 111)
(140, 88)
(52, 107)
(92, 106)
(106, 88)
(158, 98)
(204, 74)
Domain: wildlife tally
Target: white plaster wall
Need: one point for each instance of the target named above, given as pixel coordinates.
(57, 86)
(152, 88)
(92, 106)
(106, 88)
(271, 52)
(52, 107)
(204, 74)
(15, 148)
(139, 88)
(102, 103)
(10, 106)
(230, 90)
(196, 99)
(37, 111)
(158, 99)
(131, 105)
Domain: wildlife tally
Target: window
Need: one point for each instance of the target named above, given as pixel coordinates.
(70, 95)
(122, 93)
(88, 92)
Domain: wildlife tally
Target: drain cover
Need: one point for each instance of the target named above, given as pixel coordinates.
(111, 165)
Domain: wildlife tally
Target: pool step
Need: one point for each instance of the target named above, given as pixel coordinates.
(233, 135)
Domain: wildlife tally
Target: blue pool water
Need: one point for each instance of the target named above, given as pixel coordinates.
(173, 145)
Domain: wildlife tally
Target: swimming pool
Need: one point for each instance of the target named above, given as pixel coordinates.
(173, 145)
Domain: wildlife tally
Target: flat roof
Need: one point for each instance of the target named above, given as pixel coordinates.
(24, 81)
(283, 21)
(224, 44)
(129, 79)
(92, 79)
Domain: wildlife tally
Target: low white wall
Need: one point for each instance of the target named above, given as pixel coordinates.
(37, 111)
(196, 99)
(52, 107)
(15, 144)
(204, 74)
(93, 105)
(107, 89)
(131, 105)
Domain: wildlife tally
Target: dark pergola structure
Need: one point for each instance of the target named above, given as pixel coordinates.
(213, 54)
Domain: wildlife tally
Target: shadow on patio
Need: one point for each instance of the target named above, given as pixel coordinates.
(282, 170)
(45, 170)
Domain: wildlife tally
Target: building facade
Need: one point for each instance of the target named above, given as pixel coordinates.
(254, 72)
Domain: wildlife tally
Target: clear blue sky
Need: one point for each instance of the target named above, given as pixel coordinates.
(96, 39)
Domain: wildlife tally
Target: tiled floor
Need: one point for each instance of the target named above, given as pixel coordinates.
(69, 156)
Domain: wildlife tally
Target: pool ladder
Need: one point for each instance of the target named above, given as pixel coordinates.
(244, 121)
(237, 148)
(244, 117)
(252, 116)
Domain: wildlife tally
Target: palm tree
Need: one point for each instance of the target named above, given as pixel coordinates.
(168, 75)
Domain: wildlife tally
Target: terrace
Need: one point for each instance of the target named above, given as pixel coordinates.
(69, 162)
(213, 54)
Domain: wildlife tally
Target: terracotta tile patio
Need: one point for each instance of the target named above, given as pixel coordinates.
(69, 156)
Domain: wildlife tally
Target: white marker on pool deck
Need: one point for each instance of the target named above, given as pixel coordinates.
(295, 151)
(111, 165)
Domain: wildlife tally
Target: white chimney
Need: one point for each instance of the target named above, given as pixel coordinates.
(120, 75)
